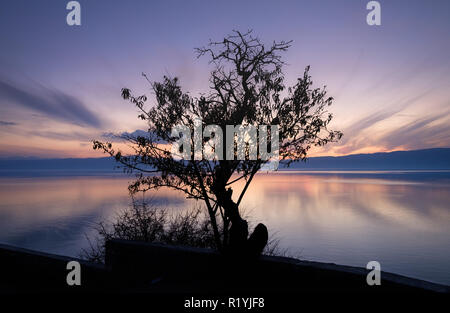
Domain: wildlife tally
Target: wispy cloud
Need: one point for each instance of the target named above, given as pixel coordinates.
(361, 134)
(425, 132)
(382, 115)
(120, 137)
(63, 136)
(430, 131)
(5, 123)
(51, 102)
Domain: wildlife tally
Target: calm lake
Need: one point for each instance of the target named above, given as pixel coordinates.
(398, 218)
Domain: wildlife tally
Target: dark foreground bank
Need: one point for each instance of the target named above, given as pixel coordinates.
(160, 269)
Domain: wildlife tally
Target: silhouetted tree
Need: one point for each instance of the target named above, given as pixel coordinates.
(246, 88)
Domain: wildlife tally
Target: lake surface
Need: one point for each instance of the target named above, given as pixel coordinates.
(400, 219)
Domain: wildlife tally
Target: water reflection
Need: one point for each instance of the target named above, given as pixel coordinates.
(352, 220)
(398, 219)
(54, 214)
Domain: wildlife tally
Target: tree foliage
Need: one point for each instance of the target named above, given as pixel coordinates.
(246, 88)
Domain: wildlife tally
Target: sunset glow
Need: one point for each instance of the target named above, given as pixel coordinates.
(60, 86)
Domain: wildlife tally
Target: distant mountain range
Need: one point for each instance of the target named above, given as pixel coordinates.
(428, 159)
(58, 167)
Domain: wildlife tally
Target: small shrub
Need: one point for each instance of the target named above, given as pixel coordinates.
(143, 221)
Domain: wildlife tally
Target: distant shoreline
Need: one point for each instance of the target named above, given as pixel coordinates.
(437, 159)
(41, 173)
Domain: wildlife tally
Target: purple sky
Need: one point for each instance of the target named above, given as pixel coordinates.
(60, 85)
